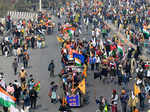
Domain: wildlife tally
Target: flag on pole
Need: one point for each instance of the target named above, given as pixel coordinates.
(84, 73)
(79, 56)
(136, 90)
(146, 34)
(78, 61)
(37, 86)
(6, 99)
(120, 49)
(70, 28)
(60, 39)
(81, 86)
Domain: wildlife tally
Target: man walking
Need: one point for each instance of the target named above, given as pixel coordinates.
(15, 66)
(32, 42)
(22, 75)
(33, 97)
(51, 67)
(114, 101)
(124, 100)
(25, 60)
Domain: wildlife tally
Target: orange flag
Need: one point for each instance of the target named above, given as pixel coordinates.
(60, 39)
(136, 90)
(85, 71)
(81, 86)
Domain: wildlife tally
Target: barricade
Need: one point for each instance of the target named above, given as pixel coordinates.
(22, 15)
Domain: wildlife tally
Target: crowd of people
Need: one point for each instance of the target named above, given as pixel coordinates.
(87, 43)
(21, 36)
(108, 55)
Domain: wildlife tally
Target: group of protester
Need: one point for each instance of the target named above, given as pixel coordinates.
(25, 90)
(110, 57)
(23, 34)
(105, 53)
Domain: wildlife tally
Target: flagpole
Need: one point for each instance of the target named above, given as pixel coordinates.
(95, 91)
(40, 5)
(72, 81)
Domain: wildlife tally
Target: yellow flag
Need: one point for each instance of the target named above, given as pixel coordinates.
(81, 86)
(60, 39)
(136, 90)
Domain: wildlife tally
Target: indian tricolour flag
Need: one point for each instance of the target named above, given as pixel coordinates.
(146, 34)
(78, 61)
(6, 99)
(121, 50)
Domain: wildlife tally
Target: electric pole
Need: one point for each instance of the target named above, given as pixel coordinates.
(40, 5)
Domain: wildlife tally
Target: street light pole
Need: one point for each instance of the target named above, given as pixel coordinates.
(40, 5)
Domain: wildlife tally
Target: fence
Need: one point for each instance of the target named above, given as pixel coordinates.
(22, 15)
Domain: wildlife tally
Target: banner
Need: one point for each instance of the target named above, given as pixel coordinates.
(79, 56)
(73, 100)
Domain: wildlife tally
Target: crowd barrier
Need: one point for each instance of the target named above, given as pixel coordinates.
(22, 15)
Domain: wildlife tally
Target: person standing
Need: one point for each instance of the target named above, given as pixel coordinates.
(25, 60)
(2, 47)
(6, 50)
(52, 92)
(19, 53)
(15, 66)
(22, 75)
(26, 99)
(142, 96)
(124, 100)
(92, 62)
(114, 101)
(97, 62)
(132, 102)
(17, 92)
(33, 97)
(51, 67)
(32, 42)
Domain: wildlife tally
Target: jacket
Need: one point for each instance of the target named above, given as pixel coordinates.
(133, 101)
(33, 94)
(51, 66)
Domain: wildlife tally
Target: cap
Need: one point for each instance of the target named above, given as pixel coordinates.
(22, 68)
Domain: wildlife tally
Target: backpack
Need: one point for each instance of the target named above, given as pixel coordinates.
(50, 92)
(51, 66)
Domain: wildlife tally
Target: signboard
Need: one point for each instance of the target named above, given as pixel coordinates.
(73, 100)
